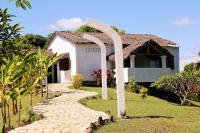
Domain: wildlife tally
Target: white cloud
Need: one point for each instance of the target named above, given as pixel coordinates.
(185, 61)
(185, 21)
(66, 24)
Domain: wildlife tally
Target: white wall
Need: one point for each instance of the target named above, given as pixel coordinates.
(175, 52)
(60, 46)
(152, 74)
(89, 60)
(145, 74)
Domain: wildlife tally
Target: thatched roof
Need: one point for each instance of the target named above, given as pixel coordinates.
(134, 48)
(129, 39)
(132, 41)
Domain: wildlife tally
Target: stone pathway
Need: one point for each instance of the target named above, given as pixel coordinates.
(63, 114)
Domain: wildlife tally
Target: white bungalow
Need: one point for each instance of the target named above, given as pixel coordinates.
(146, 57)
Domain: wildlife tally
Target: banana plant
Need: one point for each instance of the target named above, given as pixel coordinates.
(44, 61)
(10, 71)
(50, 60)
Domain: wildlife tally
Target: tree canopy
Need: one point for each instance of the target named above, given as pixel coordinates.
(85, 28)
(35, 40)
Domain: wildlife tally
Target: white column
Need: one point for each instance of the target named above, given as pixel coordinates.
(58, 73)
(132, 61)
(103, 63)
(164, 64)
(118, 62)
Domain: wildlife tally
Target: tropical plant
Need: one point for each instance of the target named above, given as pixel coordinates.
(21, 65)
(96, 75)
(77, 81)
(111, 82)
(143, 92)
(11, 71)
(132, 86)
(43, 62)
(24, 4)
(185, 85)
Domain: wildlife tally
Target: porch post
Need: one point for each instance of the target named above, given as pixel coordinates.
(132, 61)
(52, 71)
(164, 64)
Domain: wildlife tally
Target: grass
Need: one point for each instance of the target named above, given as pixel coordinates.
(146, 116)
(25, 108)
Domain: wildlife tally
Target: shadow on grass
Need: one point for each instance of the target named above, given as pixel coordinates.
(194, 105)
(150, 116)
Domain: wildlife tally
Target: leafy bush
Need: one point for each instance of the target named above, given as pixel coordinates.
(143, 92)
(32, 117)
(185, 85)
(77, 81)
(132, 86)
(96, 75)
(110, 78)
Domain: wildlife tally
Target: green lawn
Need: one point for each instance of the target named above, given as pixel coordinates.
(151, 115)
(25, 108)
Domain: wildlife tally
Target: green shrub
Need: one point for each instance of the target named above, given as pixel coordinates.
(143, 92)
(96, 75)
(77, 81)
(185, 85)
(132, 86)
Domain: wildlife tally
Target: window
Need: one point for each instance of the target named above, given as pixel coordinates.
(64, 64)
(92, 50)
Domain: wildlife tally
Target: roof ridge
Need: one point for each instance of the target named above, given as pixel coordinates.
(127, 38)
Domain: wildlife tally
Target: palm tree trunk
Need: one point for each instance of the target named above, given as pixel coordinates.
(31, 100)
(19, 113)
(3, 119)
(35, 93)
(2, 113)
(8, 107)
(20, 103)
(4, 107)
(47, 89)
(16, 106)
(41, 89)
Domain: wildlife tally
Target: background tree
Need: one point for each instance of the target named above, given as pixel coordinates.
(120, 31)
(8, 34)
(85, 28)
(49, 36)
(35, 40)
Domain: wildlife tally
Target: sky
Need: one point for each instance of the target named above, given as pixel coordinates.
(176, 20)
